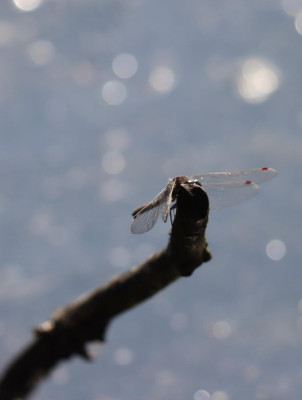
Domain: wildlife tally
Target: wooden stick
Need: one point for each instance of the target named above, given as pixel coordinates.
(87, 318)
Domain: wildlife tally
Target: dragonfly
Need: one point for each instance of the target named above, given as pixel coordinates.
(224, 189)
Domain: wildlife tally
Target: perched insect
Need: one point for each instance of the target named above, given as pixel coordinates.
(223, 189)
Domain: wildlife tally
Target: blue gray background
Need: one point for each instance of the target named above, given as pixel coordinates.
(212, 86)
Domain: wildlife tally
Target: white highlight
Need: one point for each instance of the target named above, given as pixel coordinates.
(221, 329)
(114, 92)
(41, 52)
(123, 356)
(276, 250)
(27, 5)
(124, 66)
(162, 79)
(257, 80)
(113, 162)
(202, 395)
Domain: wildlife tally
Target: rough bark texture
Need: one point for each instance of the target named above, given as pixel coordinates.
(87, 318)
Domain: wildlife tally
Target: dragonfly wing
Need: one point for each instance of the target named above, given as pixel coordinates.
(226, 194)
(256, 175)
(168, 194)
(146, 217)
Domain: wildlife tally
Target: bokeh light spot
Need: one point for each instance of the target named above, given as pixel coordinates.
(61, 375)
(116, 139)
(221, 329)
(112, 190)
(27, 5)
(114, 92)
(298, 23)
(166, 379)
(113, 162)
(119, 257)
(15, 284)
(84, 74)
(124, 66)
(41, 223)
(123, 356)
(41, 52)
(219, 396)
(276, 250)
(251, 372)
(143, 251)
(202, 395)
(292, 7)
(257, 80)
(162, 79)
(7, 33)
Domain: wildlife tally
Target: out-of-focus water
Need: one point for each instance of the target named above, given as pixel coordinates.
(100, 103)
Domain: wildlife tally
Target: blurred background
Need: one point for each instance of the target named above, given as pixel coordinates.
(100, 103)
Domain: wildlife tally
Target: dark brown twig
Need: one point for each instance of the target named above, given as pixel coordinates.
(87, 318)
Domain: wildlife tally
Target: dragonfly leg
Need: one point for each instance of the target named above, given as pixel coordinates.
(172, 213)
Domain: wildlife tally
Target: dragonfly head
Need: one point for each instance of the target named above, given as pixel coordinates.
(196, 181)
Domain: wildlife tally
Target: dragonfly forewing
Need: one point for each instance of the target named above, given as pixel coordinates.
(256, 175)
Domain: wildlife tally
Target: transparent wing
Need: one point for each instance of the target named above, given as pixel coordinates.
(226, 194)
(145, 218)
(256, 175)
(168, 193)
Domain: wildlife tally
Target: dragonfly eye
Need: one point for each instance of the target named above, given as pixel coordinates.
(196, 181)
